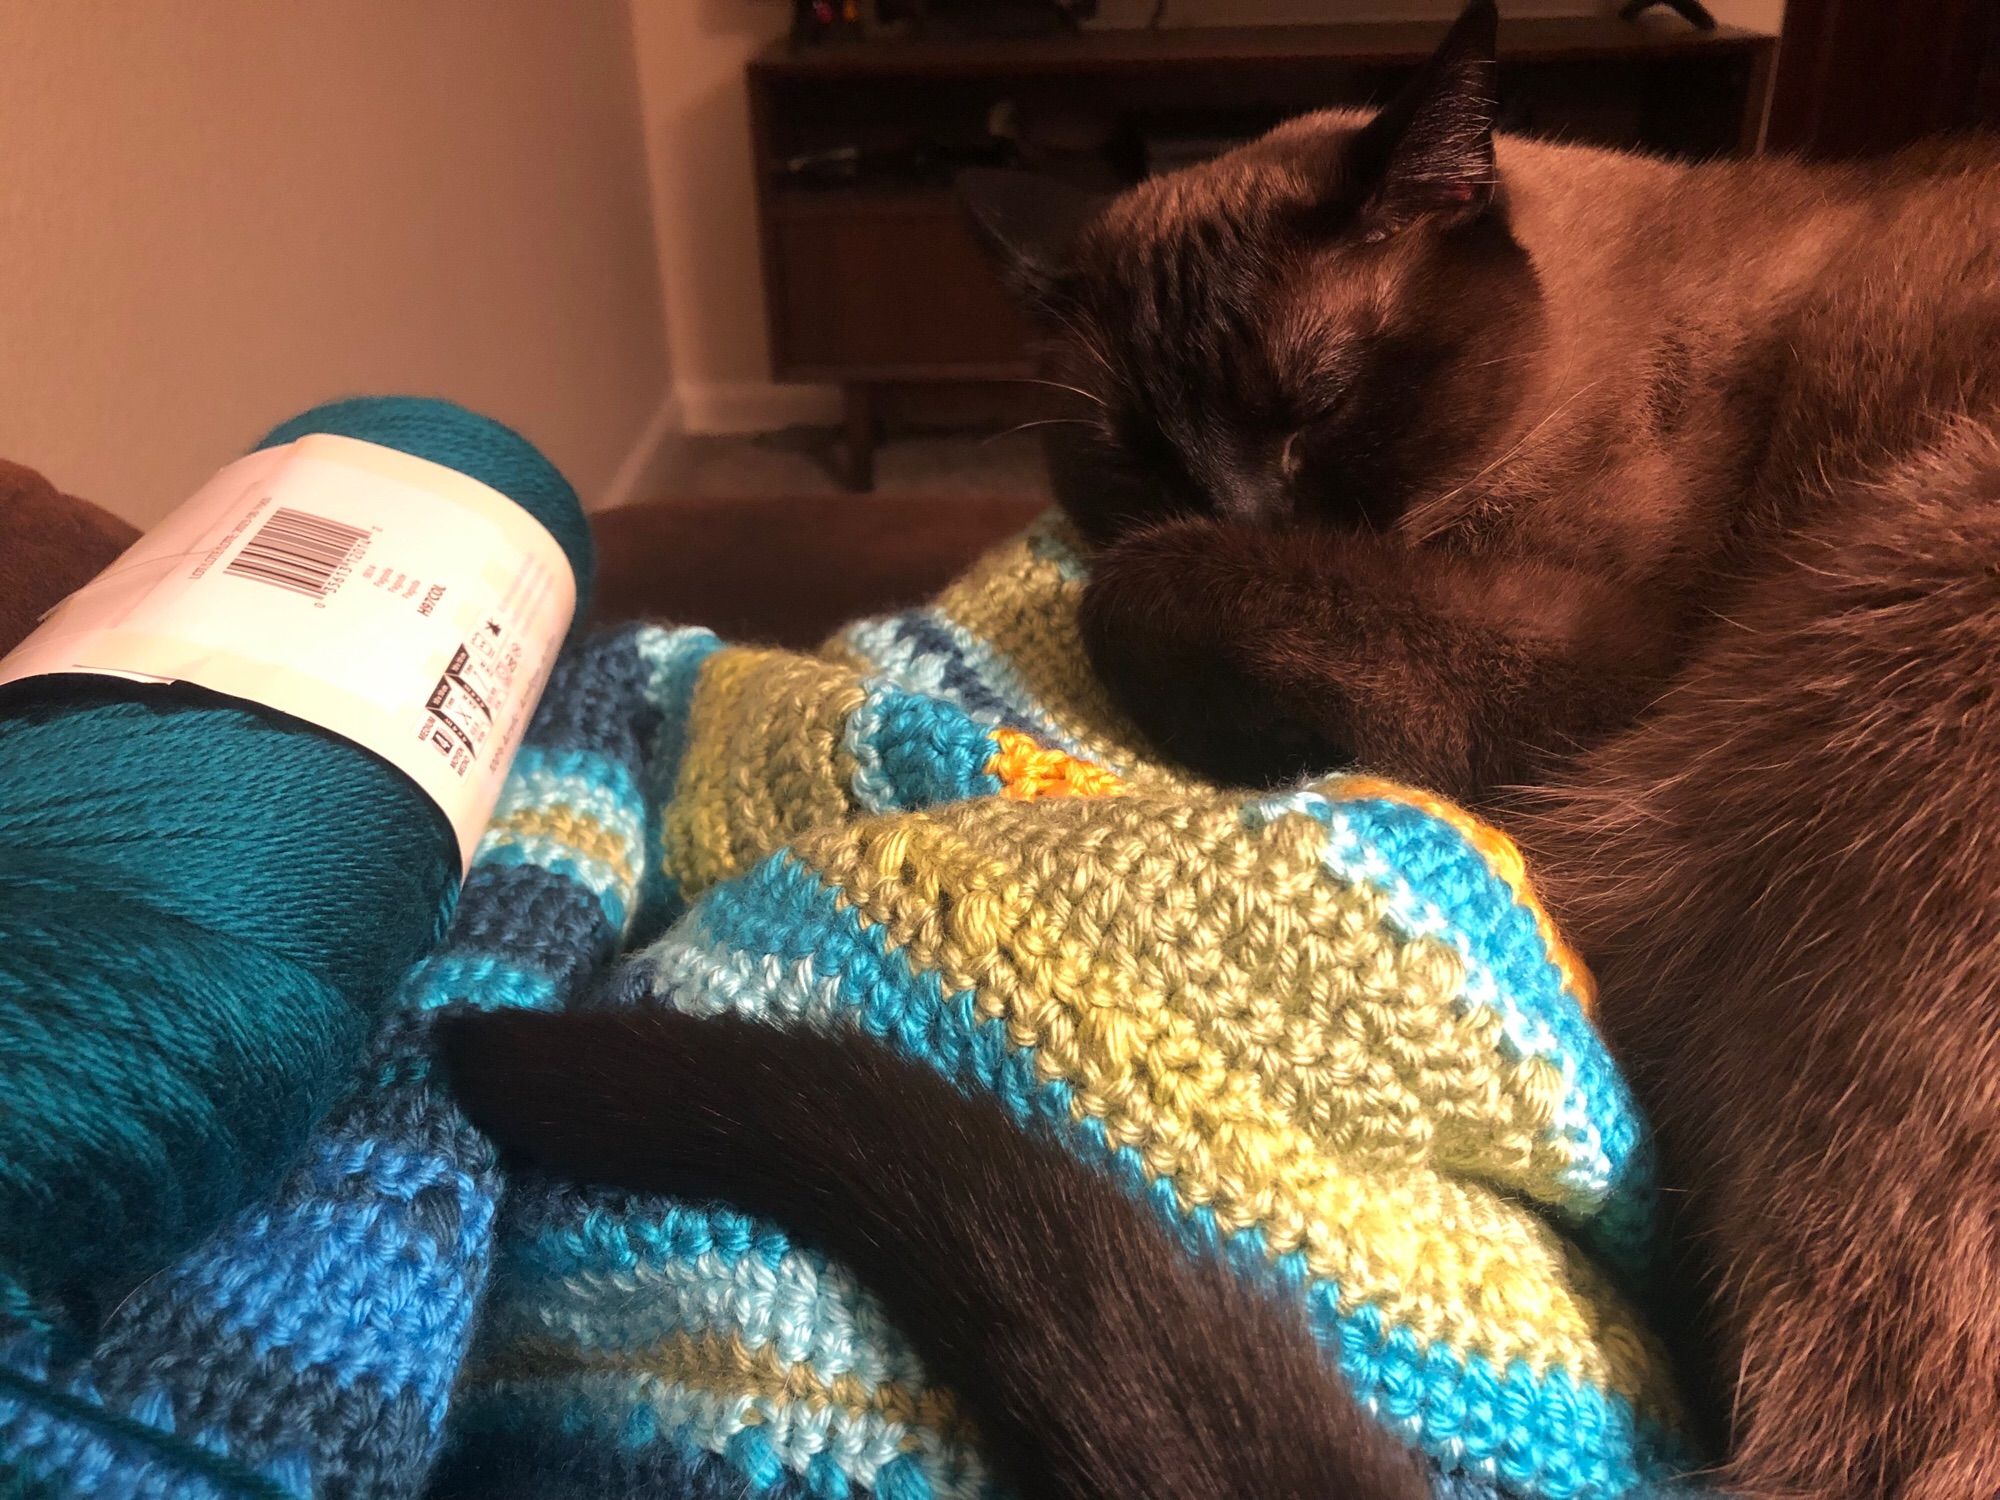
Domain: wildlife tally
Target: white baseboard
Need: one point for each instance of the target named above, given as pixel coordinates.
(643, 474)
(756, 406)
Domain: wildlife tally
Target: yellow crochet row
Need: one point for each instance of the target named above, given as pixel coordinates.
(720, 1363)
(1268, 1044)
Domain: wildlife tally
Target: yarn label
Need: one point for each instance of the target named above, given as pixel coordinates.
(387, 599)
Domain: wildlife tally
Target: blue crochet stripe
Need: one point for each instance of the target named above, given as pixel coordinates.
(292, 1300)
(791, 1303)
(958, 649)
(764, 1439)
(604, 1271)
(538, 919)
(1437, 885)
(593, 700)
(71, 1445)
(1550, 1436)
(539, 1445)
(358, 1180)
(571, 1232)
(1046, 546)
(506, 1455)
(501, 848)
(497, 982)
(914, 751)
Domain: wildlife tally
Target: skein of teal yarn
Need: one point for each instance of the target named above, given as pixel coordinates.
(204, 907)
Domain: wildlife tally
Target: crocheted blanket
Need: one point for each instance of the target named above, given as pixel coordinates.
(1328, 1035)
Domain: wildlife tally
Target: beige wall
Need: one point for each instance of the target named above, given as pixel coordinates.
(214, 213)
(1763, 15)
(691, 57)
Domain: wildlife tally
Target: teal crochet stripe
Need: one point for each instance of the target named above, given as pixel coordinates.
(779, 945)
(498, 980)
(913, 751)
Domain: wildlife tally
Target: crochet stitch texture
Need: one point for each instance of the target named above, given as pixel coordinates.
(1327, 1035)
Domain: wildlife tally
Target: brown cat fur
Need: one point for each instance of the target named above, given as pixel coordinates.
(1707, 613)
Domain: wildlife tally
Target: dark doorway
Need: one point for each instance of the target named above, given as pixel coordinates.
(1862, 76)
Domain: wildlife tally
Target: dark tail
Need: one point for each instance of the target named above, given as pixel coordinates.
(1099, 1361)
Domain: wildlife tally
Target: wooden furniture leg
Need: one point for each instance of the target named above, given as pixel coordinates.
(862, 430)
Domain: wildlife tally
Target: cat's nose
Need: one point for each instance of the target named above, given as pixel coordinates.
(1253, 499)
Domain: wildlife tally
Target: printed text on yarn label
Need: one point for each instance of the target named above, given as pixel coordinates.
(389, 600)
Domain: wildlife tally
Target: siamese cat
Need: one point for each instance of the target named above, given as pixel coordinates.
(1654, 511)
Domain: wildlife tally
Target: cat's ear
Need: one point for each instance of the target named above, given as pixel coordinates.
(1428, 157)
(1028, 223)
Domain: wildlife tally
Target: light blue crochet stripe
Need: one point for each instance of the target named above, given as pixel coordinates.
(1044, 544)
(861, 738)
(583, 781)
(623, 1281)
(488, 980)
(885, 646)
(914, 751)
(803, 1310)
(673, 660)
(761, 1438)
(1437, 885)
(1548, 1435)
(592, 1283)
(878, 641)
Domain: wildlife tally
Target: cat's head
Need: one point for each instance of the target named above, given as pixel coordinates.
(1321, 325)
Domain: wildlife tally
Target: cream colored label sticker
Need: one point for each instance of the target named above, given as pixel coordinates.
(387, 599)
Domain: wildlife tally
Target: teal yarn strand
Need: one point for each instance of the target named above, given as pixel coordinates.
(203, 910)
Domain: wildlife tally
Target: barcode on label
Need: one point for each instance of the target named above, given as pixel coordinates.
(297, 550)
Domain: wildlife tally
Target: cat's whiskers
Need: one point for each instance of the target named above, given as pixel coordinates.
(1505, 359)
(1425, 519)
(1083, 341)
(1057, 385)
(1043, 422)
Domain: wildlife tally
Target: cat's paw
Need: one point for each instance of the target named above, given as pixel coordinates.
(1178, 624)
